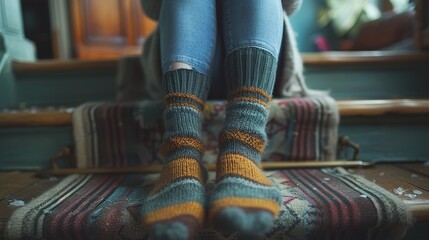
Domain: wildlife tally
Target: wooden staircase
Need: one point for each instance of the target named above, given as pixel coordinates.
(383, 101)
(383, 111)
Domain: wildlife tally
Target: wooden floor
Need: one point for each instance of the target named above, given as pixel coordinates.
(19, 186)
(410, 182)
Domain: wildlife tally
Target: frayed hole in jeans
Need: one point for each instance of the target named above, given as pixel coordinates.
(179, 65)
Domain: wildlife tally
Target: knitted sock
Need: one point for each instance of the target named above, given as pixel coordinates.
(243, 200)
(174, 208)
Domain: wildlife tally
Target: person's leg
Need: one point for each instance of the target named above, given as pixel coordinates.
(243, 199)
(174, 208)
(188, 35)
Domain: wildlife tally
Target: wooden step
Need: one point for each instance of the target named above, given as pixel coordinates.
(38, 117)
(61, 65)
(371, 58)
(347, 75)
(368, 108)
(333, 59)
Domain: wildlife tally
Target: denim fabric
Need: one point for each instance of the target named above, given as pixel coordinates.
(253, 23)
(200, 32)
(188, 33)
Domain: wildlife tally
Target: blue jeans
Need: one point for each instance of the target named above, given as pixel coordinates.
(200, 32)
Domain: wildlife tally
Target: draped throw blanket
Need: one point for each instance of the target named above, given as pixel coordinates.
(317, 204)
(130, 134)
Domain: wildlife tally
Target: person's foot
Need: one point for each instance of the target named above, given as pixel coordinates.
(175, 206)
(243, 199)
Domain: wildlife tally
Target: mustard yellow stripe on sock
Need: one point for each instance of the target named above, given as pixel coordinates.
(236, 135)
(253, 90)
(179, 168)
(236, 164)
(251, 203)
(193, 209)
(184, 95)
(176, 142)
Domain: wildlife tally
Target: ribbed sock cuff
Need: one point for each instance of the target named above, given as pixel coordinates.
(186, 81)
(251, 67)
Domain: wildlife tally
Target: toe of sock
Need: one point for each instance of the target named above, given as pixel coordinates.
(262, 222)
(170, 231)
(233, 219)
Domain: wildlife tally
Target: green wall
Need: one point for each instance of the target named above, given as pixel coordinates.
(31, 148)
(13, 45)
(65, 88)
(391, 138)
(304, 23)
(371, 82)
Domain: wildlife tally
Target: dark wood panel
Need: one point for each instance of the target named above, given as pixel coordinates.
(106, 29)
(107, 51)
(104, 22)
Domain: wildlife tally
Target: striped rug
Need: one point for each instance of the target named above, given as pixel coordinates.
(317, 204)
(130, 134)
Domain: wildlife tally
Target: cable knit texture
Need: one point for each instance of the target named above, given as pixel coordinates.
(174, 208)
(243, 199)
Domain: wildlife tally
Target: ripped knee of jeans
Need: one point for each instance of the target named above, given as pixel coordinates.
(179, 65)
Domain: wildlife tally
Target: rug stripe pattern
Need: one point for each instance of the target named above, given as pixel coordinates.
(316, 204)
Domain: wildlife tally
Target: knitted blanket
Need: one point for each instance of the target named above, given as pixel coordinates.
(317, 204)
(130, 134)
